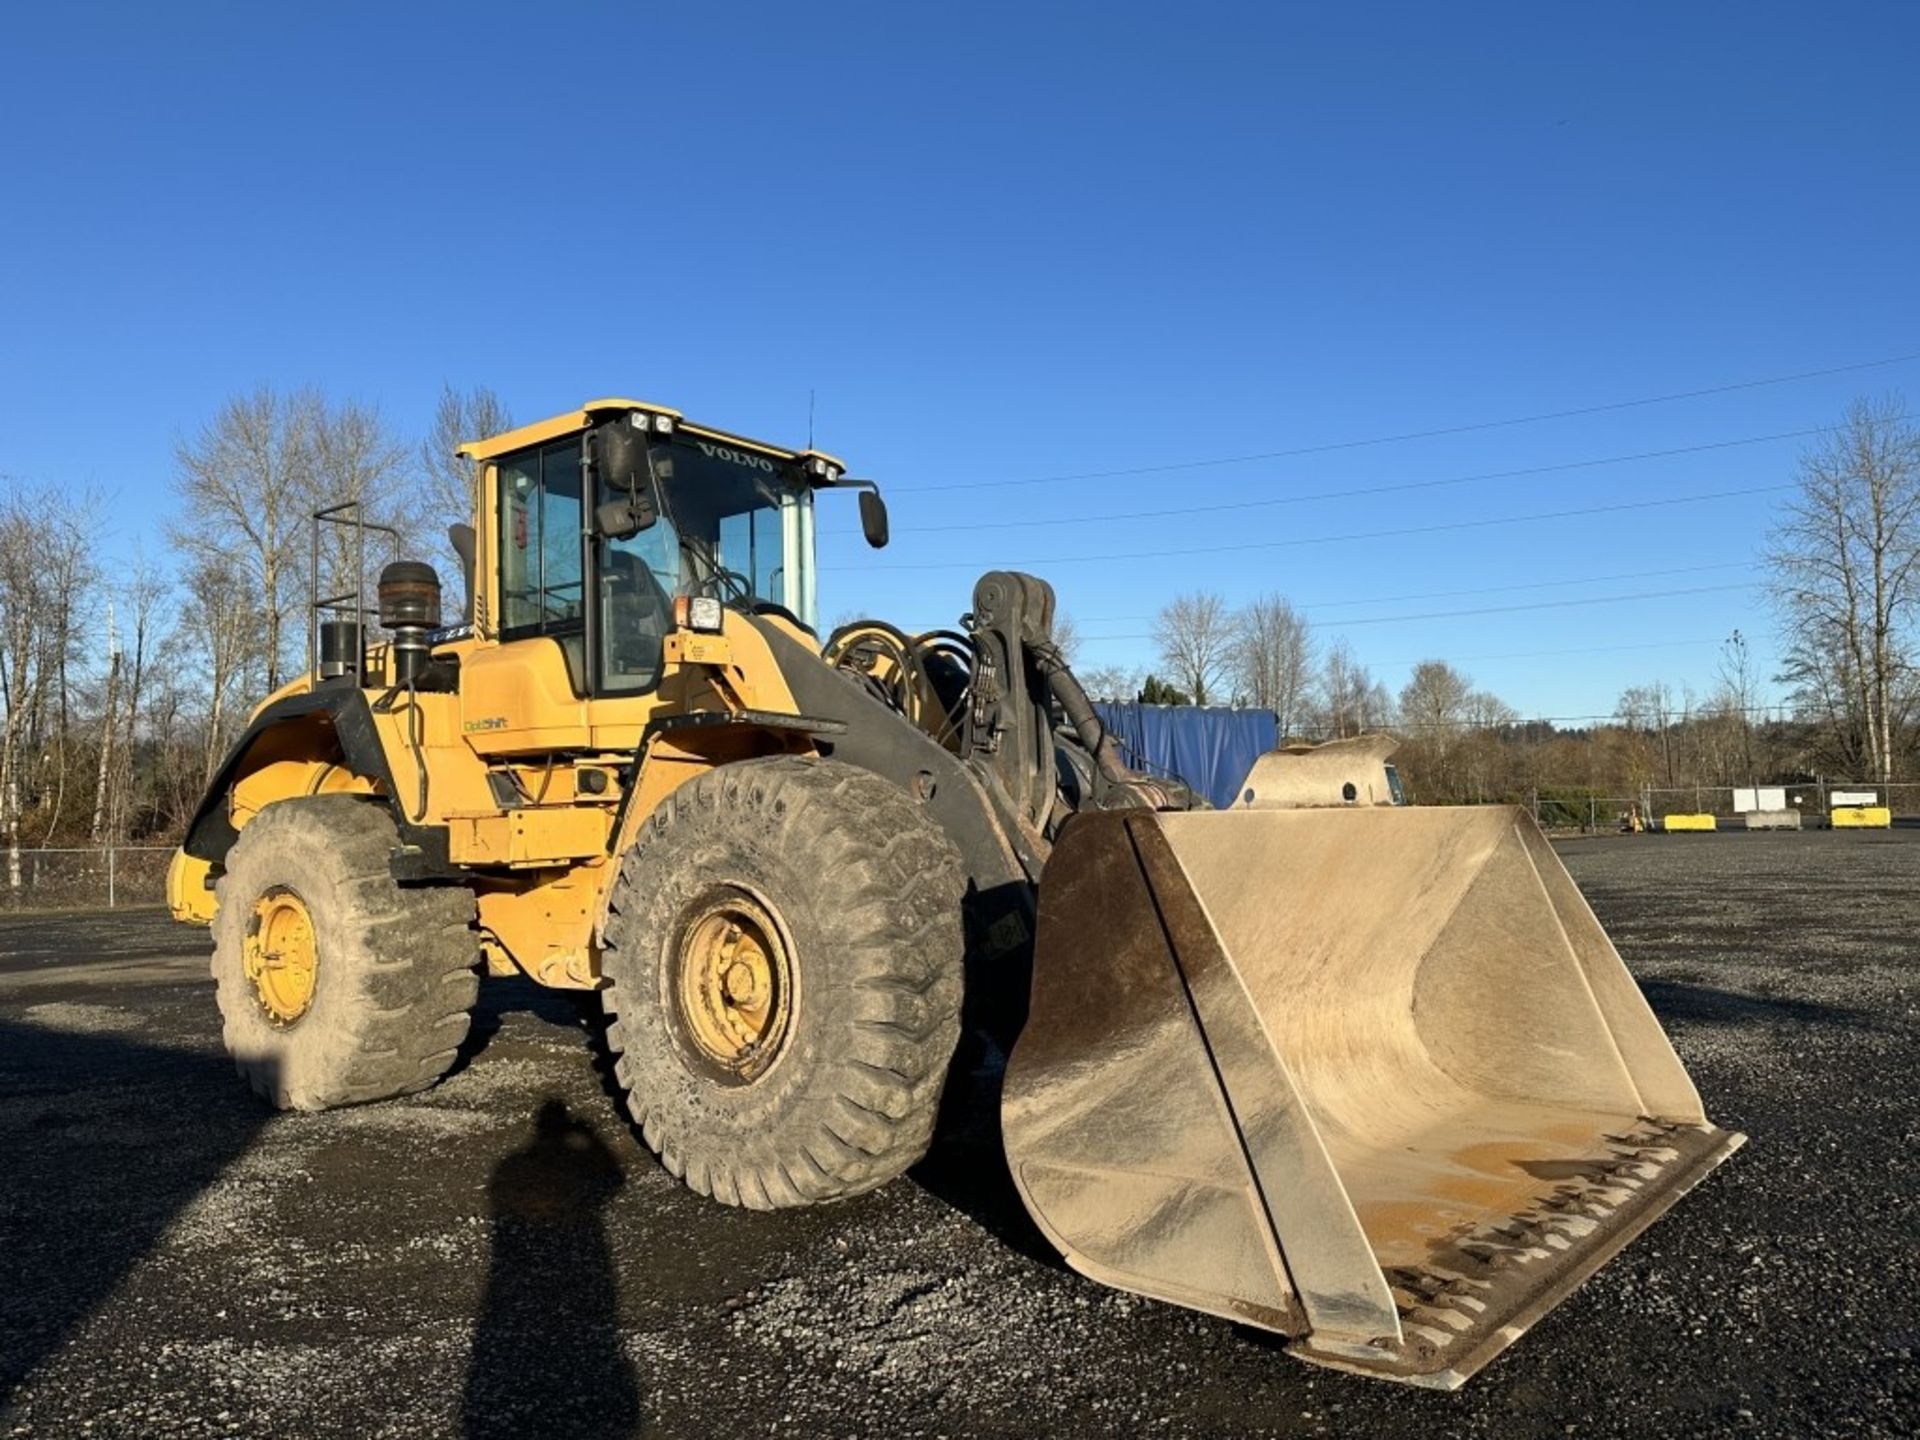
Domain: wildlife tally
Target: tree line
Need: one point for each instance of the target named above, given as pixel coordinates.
(1842, 580)
(122, 686)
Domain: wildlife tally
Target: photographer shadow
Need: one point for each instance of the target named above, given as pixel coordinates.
(547, 1351)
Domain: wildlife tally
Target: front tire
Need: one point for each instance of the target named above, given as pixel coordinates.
(784, 960)
(336, 985)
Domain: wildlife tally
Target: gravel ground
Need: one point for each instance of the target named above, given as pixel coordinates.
(500, 1256)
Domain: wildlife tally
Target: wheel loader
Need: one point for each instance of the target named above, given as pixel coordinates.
(1365, 1074)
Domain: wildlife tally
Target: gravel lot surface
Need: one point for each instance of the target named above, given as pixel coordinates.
(177, 1261)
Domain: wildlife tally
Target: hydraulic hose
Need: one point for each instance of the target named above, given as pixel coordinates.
(1066, 688)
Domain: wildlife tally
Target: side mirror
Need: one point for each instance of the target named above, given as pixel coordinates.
(873, 518)
(619, 519)
(620, 455)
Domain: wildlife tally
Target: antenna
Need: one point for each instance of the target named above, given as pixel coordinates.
(809, 417)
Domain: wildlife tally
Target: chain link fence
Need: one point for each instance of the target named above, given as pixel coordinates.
(112, 876)
(1589, 812)
(1814, 801)
(97, 877)
(1583, 811)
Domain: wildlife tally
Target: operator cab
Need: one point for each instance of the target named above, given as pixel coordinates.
(598, 521)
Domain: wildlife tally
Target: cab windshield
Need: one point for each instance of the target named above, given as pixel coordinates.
(734, 525)
(724, 517)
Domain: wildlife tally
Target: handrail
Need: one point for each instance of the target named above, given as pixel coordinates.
(331, 515)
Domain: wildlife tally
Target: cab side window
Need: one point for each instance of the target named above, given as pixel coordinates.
(639, 576)
(541, 523)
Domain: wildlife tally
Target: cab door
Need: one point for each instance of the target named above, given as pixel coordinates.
(528, 692)
(634, 580)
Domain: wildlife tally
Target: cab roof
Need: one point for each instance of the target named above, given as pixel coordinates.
(574, 421)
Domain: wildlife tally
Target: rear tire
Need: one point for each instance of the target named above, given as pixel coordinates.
(849, 898)
(393, 974)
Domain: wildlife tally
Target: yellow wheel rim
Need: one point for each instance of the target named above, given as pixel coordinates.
(732, 983)
(281, 957)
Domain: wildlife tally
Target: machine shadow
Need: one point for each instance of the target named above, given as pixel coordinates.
(1680, 1000)
(501, 996)
(967, 1168)
(547, 1354)
(109, 1140)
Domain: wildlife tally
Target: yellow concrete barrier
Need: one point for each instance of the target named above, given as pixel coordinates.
(1690, 822)
(1862, 817)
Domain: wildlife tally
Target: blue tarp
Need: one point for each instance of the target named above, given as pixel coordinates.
(1210, 747)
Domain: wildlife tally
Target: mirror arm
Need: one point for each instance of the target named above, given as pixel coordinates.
(873, 507)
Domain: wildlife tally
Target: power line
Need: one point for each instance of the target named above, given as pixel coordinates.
(1506, 609)
(1476, 590)
(1357, 492)
(1436, 433)
(1545, 604)
(1399, 533)
(1707, 711)
(1558, 654)
(1532, 654)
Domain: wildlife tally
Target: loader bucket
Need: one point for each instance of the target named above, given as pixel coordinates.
(1373, 1077)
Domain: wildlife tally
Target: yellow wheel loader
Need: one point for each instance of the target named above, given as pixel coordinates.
(1367, 1075)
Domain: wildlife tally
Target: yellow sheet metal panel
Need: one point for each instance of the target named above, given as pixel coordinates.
(518, 698)
(1863, 817)
(288, 779)
(187, 894)
(546, 929)
(567, 423)
(1690, 822)
(529, 837)
(689, 647)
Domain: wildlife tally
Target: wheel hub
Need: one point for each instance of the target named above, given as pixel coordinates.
(733, 984)
(281, 956)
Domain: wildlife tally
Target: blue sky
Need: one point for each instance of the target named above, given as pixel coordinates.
(1010, 243)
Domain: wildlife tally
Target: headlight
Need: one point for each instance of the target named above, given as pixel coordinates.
(697, 612)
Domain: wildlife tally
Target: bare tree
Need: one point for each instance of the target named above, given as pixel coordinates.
(45, 577)
(1738, 696)
(1066, 635)
(23, 604)
(1377, 709)
(220, 635)
(1482, 747)
(355, 456)
(1435, 708)
(243, 483)
(1843, 559)
(65, 557)
(109, 727)
(144, 594)
(1338, 681)
(1435, 699)
(1195, 636)
(460, 416)
(1111, 682)
(1650, 708)
(255, 473)
(1273, 659)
